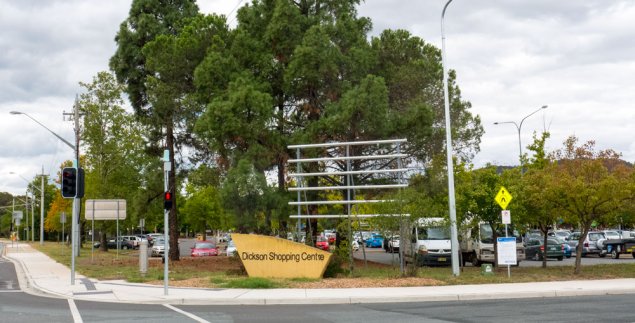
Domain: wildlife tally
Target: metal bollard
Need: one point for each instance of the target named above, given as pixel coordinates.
(143, 257)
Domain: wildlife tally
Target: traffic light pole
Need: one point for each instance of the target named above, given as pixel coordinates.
(76, 200)
(166, 250)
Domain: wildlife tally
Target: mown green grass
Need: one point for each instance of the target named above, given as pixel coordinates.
(252, 283)
(107, 265)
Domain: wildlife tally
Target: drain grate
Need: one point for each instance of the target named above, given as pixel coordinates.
(89, 285)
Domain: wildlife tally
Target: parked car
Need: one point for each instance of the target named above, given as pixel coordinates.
(322, 243)
(146, 237)
(355, 245)
(231, 248)
(134, 240)
(562, 234)
(626, 234)
(568, 250)
(611, 235)
(158, 248)
(123, 244)
(534, 249)
(204, 249)
(375, 241)
(590, 245)
(392, 244)
(533, 234)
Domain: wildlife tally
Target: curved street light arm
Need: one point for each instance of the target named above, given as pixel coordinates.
(529, 115)
(51, 131)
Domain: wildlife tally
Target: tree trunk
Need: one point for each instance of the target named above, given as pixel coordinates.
(578, 251)
(173, 224)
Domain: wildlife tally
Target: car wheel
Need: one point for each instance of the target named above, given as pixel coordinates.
(583, 255)
(602, 255)
(615, 254)
(568, 256)
(475, 261)
(560, 258)
(124, 247)
(536, 257)
(633, 254)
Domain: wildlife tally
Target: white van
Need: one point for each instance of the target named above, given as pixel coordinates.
(430, 243)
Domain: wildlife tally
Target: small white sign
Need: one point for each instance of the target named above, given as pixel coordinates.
(105, 209)
(506, 251)
(17, 215)
(507, 216)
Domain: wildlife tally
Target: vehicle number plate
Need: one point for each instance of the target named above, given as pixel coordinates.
(442, 259)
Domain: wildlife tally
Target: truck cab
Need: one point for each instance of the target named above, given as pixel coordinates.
(477, 244)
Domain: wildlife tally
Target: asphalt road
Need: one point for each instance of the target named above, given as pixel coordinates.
(379, 255)
(17, 306)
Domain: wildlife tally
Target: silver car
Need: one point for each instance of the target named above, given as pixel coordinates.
(591, 244)
(158, 248)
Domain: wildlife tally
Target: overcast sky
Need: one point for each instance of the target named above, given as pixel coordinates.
(511, 57)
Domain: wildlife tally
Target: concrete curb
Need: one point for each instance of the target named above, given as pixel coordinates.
(28, 284)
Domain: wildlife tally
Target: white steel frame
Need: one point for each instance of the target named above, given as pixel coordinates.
(300, 175)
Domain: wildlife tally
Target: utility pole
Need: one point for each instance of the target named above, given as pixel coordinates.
(75, 234)
(42, 208)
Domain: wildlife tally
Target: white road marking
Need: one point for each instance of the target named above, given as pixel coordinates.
(190, 315)
(77, 318)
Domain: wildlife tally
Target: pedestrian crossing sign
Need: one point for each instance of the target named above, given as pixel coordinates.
(503, 198)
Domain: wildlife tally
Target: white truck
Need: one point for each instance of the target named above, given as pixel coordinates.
(430, 243)
(477, 244)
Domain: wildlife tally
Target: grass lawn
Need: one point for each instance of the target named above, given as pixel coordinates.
(226, 272)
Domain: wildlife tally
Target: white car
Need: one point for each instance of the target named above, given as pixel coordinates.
(355, 245)
(158, 249)
(231, 248)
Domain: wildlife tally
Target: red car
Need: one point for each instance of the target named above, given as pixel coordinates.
(204, 249)
(322, 243)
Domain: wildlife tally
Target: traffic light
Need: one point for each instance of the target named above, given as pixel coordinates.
(167, 200)
(69, 182)
(72, 182)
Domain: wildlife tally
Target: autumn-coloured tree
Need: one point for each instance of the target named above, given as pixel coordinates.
(588, 185)
(59, 205)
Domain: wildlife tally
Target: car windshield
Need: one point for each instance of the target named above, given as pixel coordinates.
(204, 245)
(487, 236)
(594, 236)
(159, 242)
(434, 233)
(612, 234)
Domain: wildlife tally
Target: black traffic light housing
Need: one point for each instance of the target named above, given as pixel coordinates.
(168, 198)
(72, 182)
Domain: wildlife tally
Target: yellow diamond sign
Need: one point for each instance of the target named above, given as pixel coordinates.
(503, 198)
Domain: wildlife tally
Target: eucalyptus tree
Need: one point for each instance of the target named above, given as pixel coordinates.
(112, 143)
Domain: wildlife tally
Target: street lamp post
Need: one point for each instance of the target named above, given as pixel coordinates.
(41, 207)
(76, 201)
(519, 126)
(454, 235)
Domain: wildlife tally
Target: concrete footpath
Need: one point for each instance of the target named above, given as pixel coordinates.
(41, 275)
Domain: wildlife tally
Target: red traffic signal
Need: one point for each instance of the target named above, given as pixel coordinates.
(167, 200)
